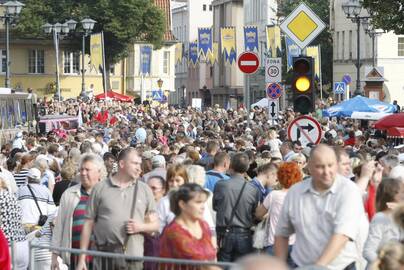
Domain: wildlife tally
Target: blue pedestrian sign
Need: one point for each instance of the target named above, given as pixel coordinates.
(339, 87)
(157, 95)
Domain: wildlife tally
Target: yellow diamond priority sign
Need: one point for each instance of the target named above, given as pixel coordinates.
(302, 25)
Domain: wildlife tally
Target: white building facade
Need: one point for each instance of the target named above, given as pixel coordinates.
(191, 81)
(260, 13)
(388, 52)
(162, 63)
(161, 67)
(228, 81)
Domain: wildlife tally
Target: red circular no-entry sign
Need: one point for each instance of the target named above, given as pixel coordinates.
(248, 62)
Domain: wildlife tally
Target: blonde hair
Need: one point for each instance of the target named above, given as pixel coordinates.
(390, 257)
(196, 174)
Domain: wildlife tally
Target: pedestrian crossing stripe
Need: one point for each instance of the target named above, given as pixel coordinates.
(339, 87)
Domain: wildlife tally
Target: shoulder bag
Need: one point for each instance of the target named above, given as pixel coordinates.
(42, 218)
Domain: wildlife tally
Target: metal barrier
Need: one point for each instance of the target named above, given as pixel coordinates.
(116, 261)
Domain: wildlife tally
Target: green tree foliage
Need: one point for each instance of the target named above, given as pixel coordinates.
(124, 22)
(321, 8)
(387, 15)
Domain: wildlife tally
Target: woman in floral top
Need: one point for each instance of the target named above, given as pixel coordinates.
(188, 236)
(10, 224)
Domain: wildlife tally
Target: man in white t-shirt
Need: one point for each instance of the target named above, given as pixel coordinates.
(323, 211)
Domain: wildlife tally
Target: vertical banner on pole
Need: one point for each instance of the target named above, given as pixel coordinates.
(103, 65)
(145, 59)
(96, 51)
(274, 40)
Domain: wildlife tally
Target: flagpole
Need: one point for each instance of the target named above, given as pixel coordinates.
(321, 76)
(103, 66)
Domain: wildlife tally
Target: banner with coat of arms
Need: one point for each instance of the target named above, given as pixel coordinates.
(205, 42)
(193, 53)
(228, 39)
(250, 38)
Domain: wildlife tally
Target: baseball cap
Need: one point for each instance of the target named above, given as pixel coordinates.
(34, 173)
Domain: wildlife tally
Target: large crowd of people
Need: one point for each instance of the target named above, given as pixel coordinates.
(212, 185)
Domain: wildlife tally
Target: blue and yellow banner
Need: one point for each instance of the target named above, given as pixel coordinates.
(145, 59)
(250, 38)
(292, 50)
(179, 52)
(228, 39)
(274, 43)
(96, 51)
(205, 42)
(314, 51)
(193, 53)
(213, 56)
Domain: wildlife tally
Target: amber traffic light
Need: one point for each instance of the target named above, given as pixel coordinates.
(303, 84)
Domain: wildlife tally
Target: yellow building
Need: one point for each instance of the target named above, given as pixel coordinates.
(33, 64)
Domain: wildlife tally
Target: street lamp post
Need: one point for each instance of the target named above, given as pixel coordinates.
(88, 25)
(58, 30)
(352, 10)
(12, 10)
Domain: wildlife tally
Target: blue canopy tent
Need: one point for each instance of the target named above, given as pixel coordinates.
(359, 104)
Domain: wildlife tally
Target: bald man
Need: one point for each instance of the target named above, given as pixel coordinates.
(259, 262)
(323, 212)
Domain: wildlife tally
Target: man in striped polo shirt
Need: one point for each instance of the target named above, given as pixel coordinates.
(72, 209)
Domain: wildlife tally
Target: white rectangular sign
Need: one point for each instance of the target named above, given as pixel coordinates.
(197, 103)
(273, 70)
(273, 109)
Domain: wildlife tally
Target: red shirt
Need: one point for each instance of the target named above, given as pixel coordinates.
(177, 242)
(5, 261)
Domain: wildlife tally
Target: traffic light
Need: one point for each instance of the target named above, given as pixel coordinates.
(303, 84)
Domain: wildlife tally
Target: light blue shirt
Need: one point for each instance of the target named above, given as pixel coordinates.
(212, 177)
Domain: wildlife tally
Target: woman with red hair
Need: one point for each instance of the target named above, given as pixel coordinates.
(289, 173)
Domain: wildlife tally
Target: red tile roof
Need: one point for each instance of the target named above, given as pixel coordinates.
(165, 6)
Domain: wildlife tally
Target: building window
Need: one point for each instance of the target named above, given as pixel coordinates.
(71, 63)
(210, 8)
(337, 47)
(204, 7)
(401, 46)
(343, 45)
(3, 61)
(36, 61)
(166, 63)
(350, 44)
